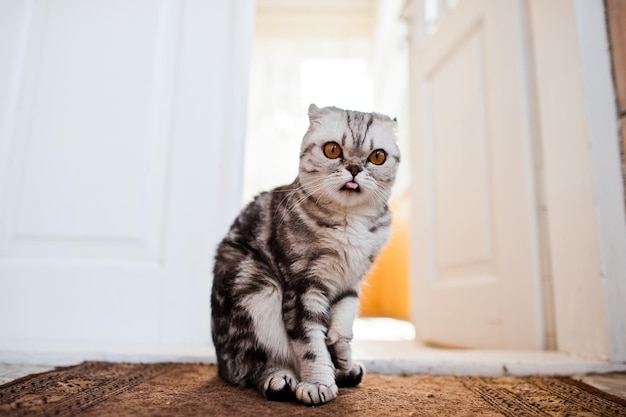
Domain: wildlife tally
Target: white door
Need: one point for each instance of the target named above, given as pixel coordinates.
(476, 275)
(120, 165)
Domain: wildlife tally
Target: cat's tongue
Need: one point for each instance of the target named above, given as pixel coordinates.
(352, 185)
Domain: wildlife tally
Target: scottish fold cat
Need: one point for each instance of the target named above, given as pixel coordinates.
(286, 276)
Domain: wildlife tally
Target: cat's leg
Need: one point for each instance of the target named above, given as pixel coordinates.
(343, 313)
(307, 317)
(278, 380)
(317, 373)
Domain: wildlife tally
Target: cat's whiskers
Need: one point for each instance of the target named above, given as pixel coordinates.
(292, 192)
(325, 194)
(378, 192)
(308, 192)
(379, 195)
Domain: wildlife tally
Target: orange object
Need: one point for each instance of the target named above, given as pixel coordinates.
(385, 292)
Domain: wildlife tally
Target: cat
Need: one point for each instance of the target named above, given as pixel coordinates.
(286, 276)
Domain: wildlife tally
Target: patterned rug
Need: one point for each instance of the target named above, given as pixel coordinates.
(116, 389)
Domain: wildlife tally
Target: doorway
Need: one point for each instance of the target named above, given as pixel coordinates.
(493, 263)
(349, 54)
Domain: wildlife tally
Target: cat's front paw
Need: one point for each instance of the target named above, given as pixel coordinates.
(315, 394)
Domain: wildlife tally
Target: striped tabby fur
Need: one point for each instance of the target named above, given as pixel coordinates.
(286, 275)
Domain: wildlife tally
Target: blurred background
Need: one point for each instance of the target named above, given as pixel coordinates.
(132, 133)
(349, 54)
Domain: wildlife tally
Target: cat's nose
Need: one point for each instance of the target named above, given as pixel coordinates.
(354, 169)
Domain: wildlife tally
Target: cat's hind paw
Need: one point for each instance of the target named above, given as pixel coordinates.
(351, 378)
(316, 394)
(341, 354)
(279, 386)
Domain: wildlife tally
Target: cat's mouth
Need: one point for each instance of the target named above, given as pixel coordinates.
(351, 186)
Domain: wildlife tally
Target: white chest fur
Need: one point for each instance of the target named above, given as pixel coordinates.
(355, 245)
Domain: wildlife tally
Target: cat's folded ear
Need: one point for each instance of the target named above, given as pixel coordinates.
(315, 112)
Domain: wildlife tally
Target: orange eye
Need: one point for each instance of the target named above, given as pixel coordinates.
(332, 150)
(378, 157)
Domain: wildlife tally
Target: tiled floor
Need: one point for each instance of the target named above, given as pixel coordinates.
(612, 383)
(11, 372)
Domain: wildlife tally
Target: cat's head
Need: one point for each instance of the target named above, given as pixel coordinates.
(349, 158)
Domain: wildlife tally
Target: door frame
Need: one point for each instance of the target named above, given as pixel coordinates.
(585, 225)
(603, 135)
(584, 192)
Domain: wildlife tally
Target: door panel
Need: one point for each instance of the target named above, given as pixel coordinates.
(460, 158)
(475, 274)
(111, 197)
(86, 176)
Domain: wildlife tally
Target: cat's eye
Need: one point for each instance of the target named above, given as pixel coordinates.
(332, 150)
(378, 157)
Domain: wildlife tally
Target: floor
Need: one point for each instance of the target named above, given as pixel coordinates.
(613, 383)
(389, 347)
(9, 372)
